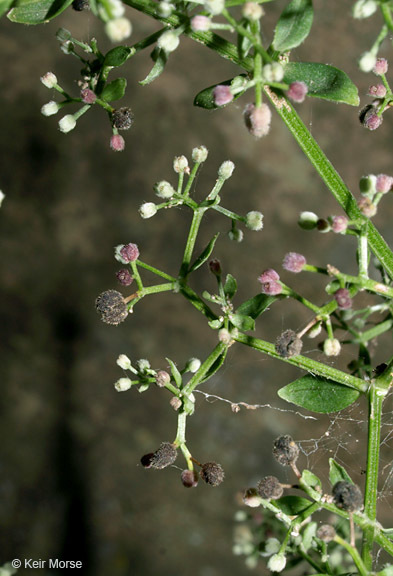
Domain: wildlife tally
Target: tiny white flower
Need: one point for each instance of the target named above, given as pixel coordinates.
(277, 563)
(252, 11)
(193, 365)
(165, 9)
(118, 29)
(2, 196)
(199, 154)
(236, 235)
(124, 362)
(364, 8)
(67, 123)
(331, 347)
(50, 108)
(272, 546)
(49, 80)
(164, 189)
(180, 164)
(215, 7)
(123, 384)
(367, 61)
(254, 220)
(111, 9)
(226, 169)
(147, 210)
(168, 41)
(273, 72)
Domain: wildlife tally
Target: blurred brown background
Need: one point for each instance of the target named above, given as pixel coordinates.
(71, 486)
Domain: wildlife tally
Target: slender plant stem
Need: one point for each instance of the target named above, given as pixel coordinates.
(363, 571)
(192, 236)
(204, 368)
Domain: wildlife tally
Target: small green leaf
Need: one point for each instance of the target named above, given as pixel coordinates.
(311, 479)
(215, 324)
(143, 387)
(318, 394)
(205, 98)
(114, 90)
(292, 505)
(323, 81)
(230, 287)
(242, 322)
(205, 254)
(117, 56)
(256, 305)
(5, 5)
(160, 58)
(308, 535)
(294, 25)
(337, 473)
(244, 44)
(175, 373)
(36, 11)
(216, 366)
(388, 532)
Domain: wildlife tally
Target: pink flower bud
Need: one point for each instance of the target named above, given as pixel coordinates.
(381, 66)
(339, 224)
(117, 143)
(257, 119)
(270, 284)
(294, 262)
(222, 95)
(367, 207)
(343, 299)
(129, 252)
(379, 91)
(88, 96)
(384, 183)
(297, 92)
(200, 23)
(372, 121)
(124, 277)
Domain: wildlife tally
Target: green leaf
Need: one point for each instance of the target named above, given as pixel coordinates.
(160, 58)
(311, 479)
(244, 44)
(215, 325)
(205, 98)
(256, 305)
(242, 322)
(337, 473)
(294, 25)
(388, 532)
(230, 286)
(215, 366)
(117, 56)
(175, 373)
(205, 254)
(292, 505)
(5, 5)
(36, 11)
(114, 90)
(323, 81)
(308, 535)
(318, 394)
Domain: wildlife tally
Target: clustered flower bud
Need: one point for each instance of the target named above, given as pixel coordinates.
(124, 277)
(162, 458)
(347, 496)
(277, 563)
(369, 118)
(367, 61)
(273, 72)
(67, 123)
(88, 96)
(168, 41)
(285, 450)
(331, 347)
(226, 169)
(270, 282)
(364, 8)
(49, 80)
(270, 488)
(297, 92)
(193, 365)
(252, 11)
(165, 9)
(112, 307)
(162, 378)
(288, 344)
(254, 220)
(117, 143)
(378, 91)
(294, 262)
(123, 384)
(199, 154)
(339, 224)
(122, 118)
(147, 210)
(381, 66)
(257, 119)
(189, 478)
(343, 298)
(367, 207)
(215, 7)
(235, 235)
(164, 189)
(222, 95)
(118, 29)
(212, 473)
(129, 253)
(200, 23)
(326, 533)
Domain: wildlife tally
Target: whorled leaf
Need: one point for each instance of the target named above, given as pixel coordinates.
(205, 254)
(230, 286)
(117, 56)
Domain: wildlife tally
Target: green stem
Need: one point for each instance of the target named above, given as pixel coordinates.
(376, 398)
(192, 236)
(204, 368)
(199, 304)
(387, 15)
(354, 554)
(156, 271)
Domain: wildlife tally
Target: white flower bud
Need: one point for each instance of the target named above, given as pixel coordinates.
(2, 196)
(273, 72)
(277, 563)
(110, 10)
(214, 7)
(272, 546)
(168, 41)
(226, 169)
(368, 185)
(367, 61)
(252, 11)
(331, 347)
(315, 330)
(251, 498)
(165, 9)
(224, 336)
(147, 210)
(50, 108)
(164, 189)
(193, 365)
(124, 362)
(143, 365)
(308, 220)
(123, 384)
(236, 235)
(118, 29)
(67, 123)
(254, 220)
(49, 80)
(364, 8)
(180, 164)
(199, 154)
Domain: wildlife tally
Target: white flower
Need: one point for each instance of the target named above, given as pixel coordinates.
(193, 365)
(214, 6)
(124, 362)
(273, 72)
(49, 80)
(331, 347)
(180, 164)
(164, 189)
(254, 220)
(2, 196)
(252, 11)
(67, 123)
(147, 210)
(168, 41)
(50, 108)
(118, 29)
(277, 563)
(123, 384)
(226, 169)
(199, 154)
(165, 9)
(364, 8)
(367, 61)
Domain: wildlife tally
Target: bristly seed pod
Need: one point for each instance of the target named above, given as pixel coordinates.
(285, 450)
(326, 533)
(288, 344)
(347, 496)
(161, 458)
(123, 118)
(112, 307)
(270, 488)
(212, 473)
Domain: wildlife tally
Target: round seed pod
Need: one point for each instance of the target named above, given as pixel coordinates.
(212, 473)
(288, 344)
(112, 307)
(326, 533)
(270, 488)
(123, 118)
(347, 496)
(164, 456)
(285, 450)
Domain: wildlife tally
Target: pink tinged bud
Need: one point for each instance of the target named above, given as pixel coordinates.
(257, 119)
(124, 277)
(384, 183)
(343, 299)
(270, 282)
(294, 262)
(117, 143)
(381, 66)
(339, 224)
(215, 267)
(269, 275)
(49, 80)
(297, 92)
(222, 95)
(88, 96)
(189, 478)
(200, 23)
(379, 91)
(372, 121)
(367, 207)
(129, 252)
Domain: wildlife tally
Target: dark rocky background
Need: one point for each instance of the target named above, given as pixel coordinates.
(71, 486)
